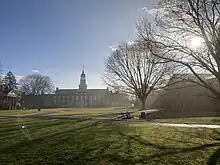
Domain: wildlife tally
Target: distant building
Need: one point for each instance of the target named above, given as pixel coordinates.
(8, 98)
(76, 98)
(187, 95)
(184, 98)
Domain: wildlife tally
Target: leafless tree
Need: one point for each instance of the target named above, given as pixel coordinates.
(188, 33)
(134, 70)
(36, 84)
(0, 73)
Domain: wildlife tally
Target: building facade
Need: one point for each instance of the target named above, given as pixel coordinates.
(76, 98)
(8, 98)
(184, 98)
(186, 95)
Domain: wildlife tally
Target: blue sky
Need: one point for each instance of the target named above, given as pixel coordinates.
(58, 37)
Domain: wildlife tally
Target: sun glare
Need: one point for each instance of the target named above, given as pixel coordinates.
(196, 42)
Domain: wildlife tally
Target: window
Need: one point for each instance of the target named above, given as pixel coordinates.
(54, 99)
(77, 98)
(67, 97)
(63, 97)
(81, 97)
(91, 100)
(72, 97)
(85, 97)
(94, 98)
(101, 100)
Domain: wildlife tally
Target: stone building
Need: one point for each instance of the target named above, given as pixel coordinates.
(184, 98)
(8, 98)
(186, 95)
(75, 98)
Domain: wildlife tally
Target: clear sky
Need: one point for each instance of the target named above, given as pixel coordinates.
(57, 37)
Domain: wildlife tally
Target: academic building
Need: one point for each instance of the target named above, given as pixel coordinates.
(8, 98)
(76, 98)
(81, 97)
(184, 98)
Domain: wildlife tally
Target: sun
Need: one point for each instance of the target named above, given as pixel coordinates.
(196, 42)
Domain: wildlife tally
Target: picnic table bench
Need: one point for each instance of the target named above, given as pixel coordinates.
(126, 115)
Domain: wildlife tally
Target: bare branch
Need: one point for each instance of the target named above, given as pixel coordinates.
(177, 23)
(135, 70)
(36, 84)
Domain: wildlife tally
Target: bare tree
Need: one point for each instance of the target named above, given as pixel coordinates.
(134, 70)
(36, 84)
(0, 73)
(188, 33)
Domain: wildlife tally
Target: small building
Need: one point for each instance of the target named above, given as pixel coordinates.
(8, 98)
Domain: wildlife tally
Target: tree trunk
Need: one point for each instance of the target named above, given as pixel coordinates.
(143, 100)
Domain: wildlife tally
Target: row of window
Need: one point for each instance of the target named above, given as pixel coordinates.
(178, 106)
(75, 101)
(77, 97)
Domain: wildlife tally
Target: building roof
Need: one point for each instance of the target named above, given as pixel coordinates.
(73, 91)
(12, 94)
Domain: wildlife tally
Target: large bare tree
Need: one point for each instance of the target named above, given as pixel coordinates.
(134, 70)
(36, 84)
(188, 33)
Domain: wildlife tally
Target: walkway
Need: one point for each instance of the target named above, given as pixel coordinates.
(45, 117)
(178, 125)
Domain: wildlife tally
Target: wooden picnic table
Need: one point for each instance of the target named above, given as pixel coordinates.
(126, 115)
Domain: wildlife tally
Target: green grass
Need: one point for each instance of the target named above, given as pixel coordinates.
(110, 113)
(88, 142)
(98, 113)
(17, 112)
(25, 112)
(105, 113)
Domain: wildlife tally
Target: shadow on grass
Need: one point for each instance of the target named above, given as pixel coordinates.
(93, 142)
(105, 115)
(186, 113)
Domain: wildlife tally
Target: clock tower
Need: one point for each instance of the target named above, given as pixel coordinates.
(82, 85)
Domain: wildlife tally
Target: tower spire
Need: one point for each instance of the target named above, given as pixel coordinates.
(82, 84)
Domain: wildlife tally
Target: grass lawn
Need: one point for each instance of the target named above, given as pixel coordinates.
(34, 141)
(25, 112)
(95, 113)
(111, 113)
(14, 112)
(105, 113)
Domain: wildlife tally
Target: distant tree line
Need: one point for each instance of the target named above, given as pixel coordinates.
(34, 84)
